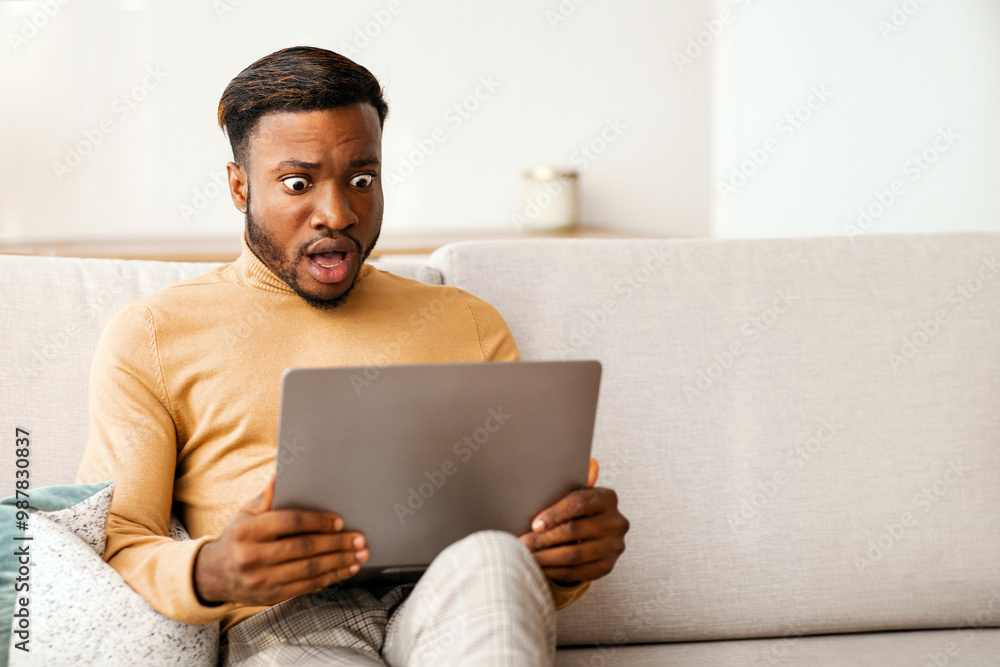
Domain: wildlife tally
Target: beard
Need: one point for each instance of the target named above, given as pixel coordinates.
(273, 256)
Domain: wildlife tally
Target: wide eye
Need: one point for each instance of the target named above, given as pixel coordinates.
(296, 183)
(362, 181)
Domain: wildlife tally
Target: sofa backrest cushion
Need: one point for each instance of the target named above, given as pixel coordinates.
(52, 311)
(804, 433)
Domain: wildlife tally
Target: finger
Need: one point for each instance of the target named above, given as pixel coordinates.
(577, 504)
(592, 471)
(587, 528)
(314, 571)
(610, 523)
(579, 574)
(262, 502)
(270, 526)
(573, 555)
(255, 555)
(319, 583)
(274, 593)
(268, 500)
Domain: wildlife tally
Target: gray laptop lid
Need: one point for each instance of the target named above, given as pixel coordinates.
(419, 456)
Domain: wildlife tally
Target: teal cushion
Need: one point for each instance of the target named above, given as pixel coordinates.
(42, 499)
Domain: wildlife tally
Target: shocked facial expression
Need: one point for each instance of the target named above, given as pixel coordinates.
(316, 205)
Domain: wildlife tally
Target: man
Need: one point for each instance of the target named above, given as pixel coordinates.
(184, 410)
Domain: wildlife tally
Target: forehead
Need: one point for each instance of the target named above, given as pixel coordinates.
(312, 135)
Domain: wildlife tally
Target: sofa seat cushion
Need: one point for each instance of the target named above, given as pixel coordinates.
(930, 648)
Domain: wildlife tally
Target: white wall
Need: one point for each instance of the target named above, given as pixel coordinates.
(563, 69)
(895, 74)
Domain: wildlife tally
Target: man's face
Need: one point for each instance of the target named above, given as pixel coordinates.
(316, 208)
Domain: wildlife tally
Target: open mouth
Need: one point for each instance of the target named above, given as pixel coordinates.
(333, 266)
(328, 260)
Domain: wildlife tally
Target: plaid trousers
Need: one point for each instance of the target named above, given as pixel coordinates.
(483, 601)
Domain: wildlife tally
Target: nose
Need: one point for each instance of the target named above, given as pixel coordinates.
(333, 209)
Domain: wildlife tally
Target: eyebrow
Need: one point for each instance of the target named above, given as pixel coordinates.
(297, 164)
(365, 162)
(316, 166)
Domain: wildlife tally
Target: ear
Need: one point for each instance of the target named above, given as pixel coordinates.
(238, 184)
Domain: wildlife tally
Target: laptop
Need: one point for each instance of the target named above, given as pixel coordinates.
(417, 457)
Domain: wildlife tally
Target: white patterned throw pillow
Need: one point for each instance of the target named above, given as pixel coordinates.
(81, 612)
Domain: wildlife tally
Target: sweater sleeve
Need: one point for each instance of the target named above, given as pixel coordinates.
(564, 596)
(132, 441)
(495, 339)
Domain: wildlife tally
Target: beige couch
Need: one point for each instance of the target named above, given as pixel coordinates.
(805, 434)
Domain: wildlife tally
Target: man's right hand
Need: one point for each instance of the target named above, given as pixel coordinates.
(264, 557)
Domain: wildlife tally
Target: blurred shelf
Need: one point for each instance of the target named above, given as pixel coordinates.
(227, 248)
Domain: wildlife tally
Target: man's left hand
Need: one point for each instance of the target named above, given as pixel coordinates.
(580, 537)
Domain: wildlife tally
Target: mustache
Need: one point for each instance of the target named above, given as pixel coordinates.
(341, 235)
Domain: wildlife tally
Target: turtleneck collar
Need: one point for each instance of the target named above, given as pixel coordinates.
(251, 272)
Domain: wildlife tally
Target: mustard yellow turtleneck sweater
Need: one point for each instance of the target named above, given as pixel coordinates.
(184, 398)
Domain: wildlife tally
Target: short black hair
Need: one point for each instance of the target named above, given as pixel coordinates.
(299, 78)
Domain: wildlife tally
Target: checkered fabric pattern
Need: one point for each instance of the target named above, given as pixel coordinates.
(483, 601)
